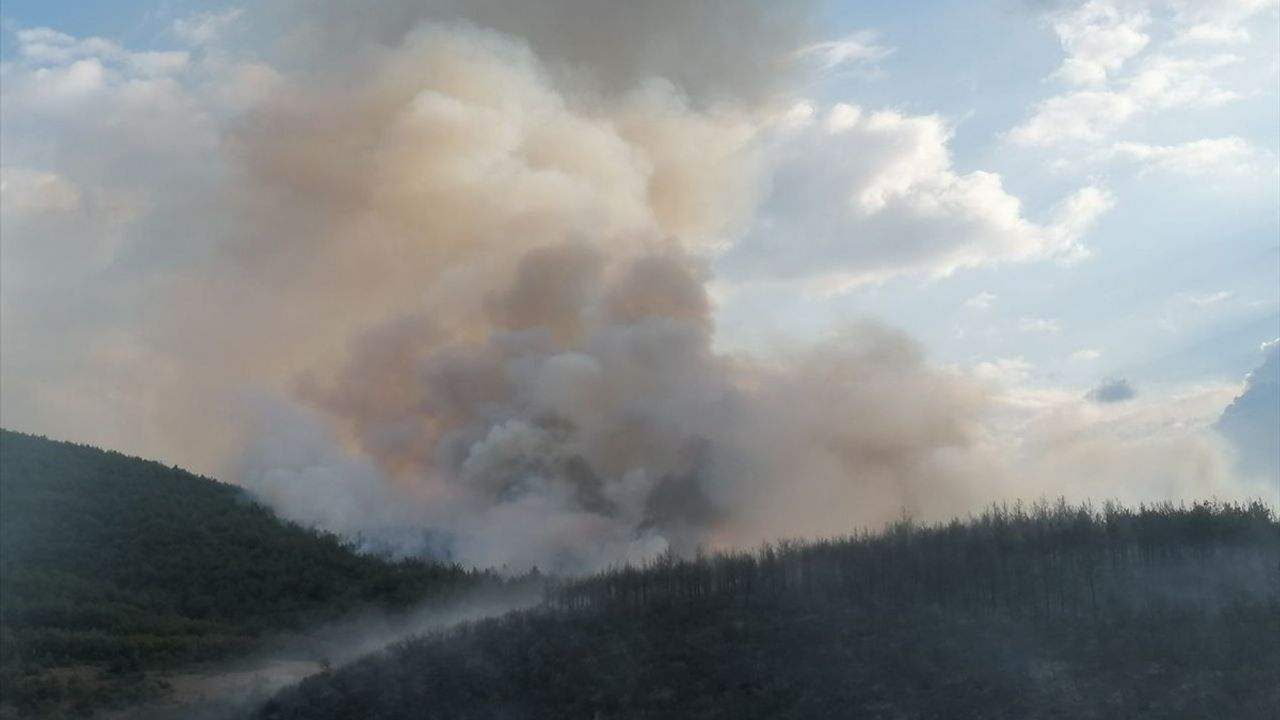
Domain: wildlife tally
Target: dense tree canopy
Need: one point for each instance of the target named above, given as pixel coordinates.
(122, 564)
(1051, 612)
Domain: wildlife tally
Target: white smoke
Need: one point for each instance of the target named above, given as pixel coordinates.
(462, 252)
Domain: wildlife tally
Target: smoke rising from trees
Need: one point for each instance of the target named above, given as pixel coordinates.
(439, 277)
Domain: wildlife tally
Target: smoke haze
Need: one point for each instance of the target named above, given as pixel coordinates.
(439, 275)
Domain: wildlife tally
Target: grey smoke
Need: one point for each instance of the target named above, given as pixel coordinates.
(439, 280)
(1112, 390)
(1252, 421)
(714, 50)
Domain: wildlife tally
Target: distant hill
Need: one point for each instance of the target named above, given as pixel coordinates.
(1057, 612)
(111, 565)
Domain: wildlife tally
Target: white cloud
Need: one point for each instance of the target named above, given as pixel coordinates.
(1218, 21)
(1005, 372)
(1084, 115)
(1162, 82)
(45, 47)
(1117, 74)
(1098, 37)
(1159, 83)
(205, 27)
(1039, 326)
(857, 49)
(1206, 299)
(1226, 156)
(981, 301)
(862, 196)
(1075, 214)
(1085, 356)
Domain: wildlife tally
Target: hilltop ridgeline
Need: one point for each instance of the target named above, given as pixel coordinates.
(1049, 612)
(114, 566)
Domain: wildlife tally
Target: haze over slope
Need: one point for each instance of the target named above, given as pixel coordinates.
(113, 566)
(1049, 612)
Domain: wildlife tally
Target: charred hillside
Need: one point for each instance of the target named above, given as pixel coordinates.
(112, 566)
(1052, 612)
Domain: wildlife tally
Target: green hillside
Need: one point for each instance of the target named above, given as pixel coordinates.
(1058, 612)
(112, 565)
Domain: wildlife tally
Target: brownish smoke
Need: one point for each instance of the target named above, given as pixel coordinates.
(440, 277)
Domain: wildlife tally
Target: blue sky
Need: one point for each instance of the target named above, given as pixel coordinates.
(1043, 196)
(135, 23)
(1182, 279)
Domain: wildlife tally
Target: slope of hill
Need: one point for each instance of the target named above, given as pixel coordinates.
(1061, 612)
(111, 565)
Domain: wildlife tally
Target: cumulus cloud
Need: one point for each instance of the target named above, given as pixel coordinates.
(1229, 156)
(861, 196)
(1221, 22)
(1098, 37)
(206, 27)
(1116, 75)
(1159, 82)
(1088, 115)
(1003, 371)
(47, 46)
(1085, 355)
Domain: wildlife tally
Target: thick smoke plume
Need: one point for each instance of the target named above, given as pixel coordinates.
(537, 383)
(460, 252)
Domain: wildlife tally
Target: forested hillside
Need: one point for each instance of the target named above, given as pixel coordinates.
(114, 568)
(111, 565)
(1056, 612)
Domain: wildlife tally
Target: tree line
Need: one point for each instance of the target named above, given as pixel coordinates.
(1042, 560)
(118, 567)
(1041, 612)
